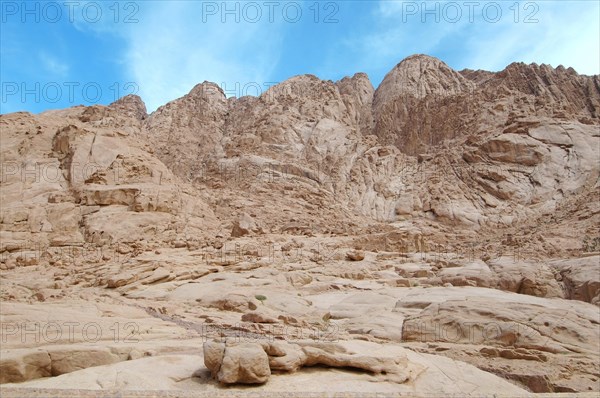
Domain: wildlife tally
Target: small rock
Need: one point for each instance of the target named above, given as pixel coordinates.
(39, 296)
(257, 317)
(121, 280)
(134, 354)
(123, 249)
(355, 255)
(403, 282)
(245, 225)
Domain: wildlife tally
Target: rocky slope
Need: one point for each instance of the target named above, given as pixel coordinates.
(450, 217)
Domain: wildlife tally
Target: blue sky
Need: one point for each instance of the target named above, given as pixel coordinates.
(56, 54)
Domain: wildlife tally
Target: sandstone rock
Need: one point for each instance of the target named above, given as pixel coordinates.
(244, 226)
(581, 278)
(355, 255)
(244, 363)
(477, 272)
(247, 363)
(284, 356)
(475, 192)
(524, 278)
(475, 322)
(17, 367)
(70, 360)
(392, 368)
(169, 372)
(132, 106)
(257, 317)
(229, 302)
(299, 278)
(158, 275)
(403, 282)
(122, 280)
(213, 356)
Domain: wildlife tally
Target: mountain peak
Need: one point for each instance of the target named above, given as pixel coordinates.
(207, 89)
(131, 105)
(421, 58)
(419, 76)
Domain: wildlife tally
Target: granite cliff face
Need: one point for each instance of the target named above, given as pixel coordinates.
(422, 102)
(466, 201)
(517, 141)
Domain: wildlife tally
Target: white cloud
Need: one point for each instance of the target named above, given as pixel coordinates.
(53, 66)
(101, 17)
(171, 49)
(571, 40)
(399, 31)
(566, 33)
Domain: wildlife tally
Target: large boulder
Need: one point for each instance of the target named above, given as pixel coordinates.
(581, 278)
(245, 363)
(232, 362)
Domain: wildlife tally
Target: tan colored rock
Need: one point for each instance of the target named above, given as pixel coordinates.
(475, 321)
(376, 365)
(244, 226)
(213, 356)
(122, 280)
(67, 361)
(232, 362)
(580, 277)
(355, 255)
(257, 317)
(243, 363)
(299, 278)
(473, 194)
(158, 275)
(284, 356)
(525, 278)
(229, 302)
(16, 367)
(170, 372)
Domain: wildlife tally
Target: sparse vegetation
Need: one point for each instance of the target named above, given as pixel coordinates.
(591, 244)
(260, 298)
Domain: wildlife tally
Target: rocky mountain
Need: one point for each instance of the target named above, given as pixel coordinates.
(458, 104)
(449, 217)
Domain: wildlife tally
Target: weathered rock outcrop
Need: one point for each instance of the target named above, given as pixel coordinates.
(250, 363)
(437, 236)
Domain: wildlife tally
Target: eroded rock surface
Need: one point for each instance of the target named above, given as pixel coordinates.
(435, 235)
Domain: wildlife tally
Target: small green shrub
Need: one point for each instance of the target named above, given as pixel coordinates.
(260, 298)
(591, 244)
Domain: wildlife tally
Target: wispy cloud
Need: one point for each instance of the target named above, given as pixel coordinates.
(564, 33)
(395, 31)
(171, 49)
(576, 43)
(553, 32)
(166, 47)
(102, 18)
(53, 66)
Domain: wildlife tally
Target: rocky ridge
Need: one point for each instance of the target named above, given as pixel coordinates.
(449, 216)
